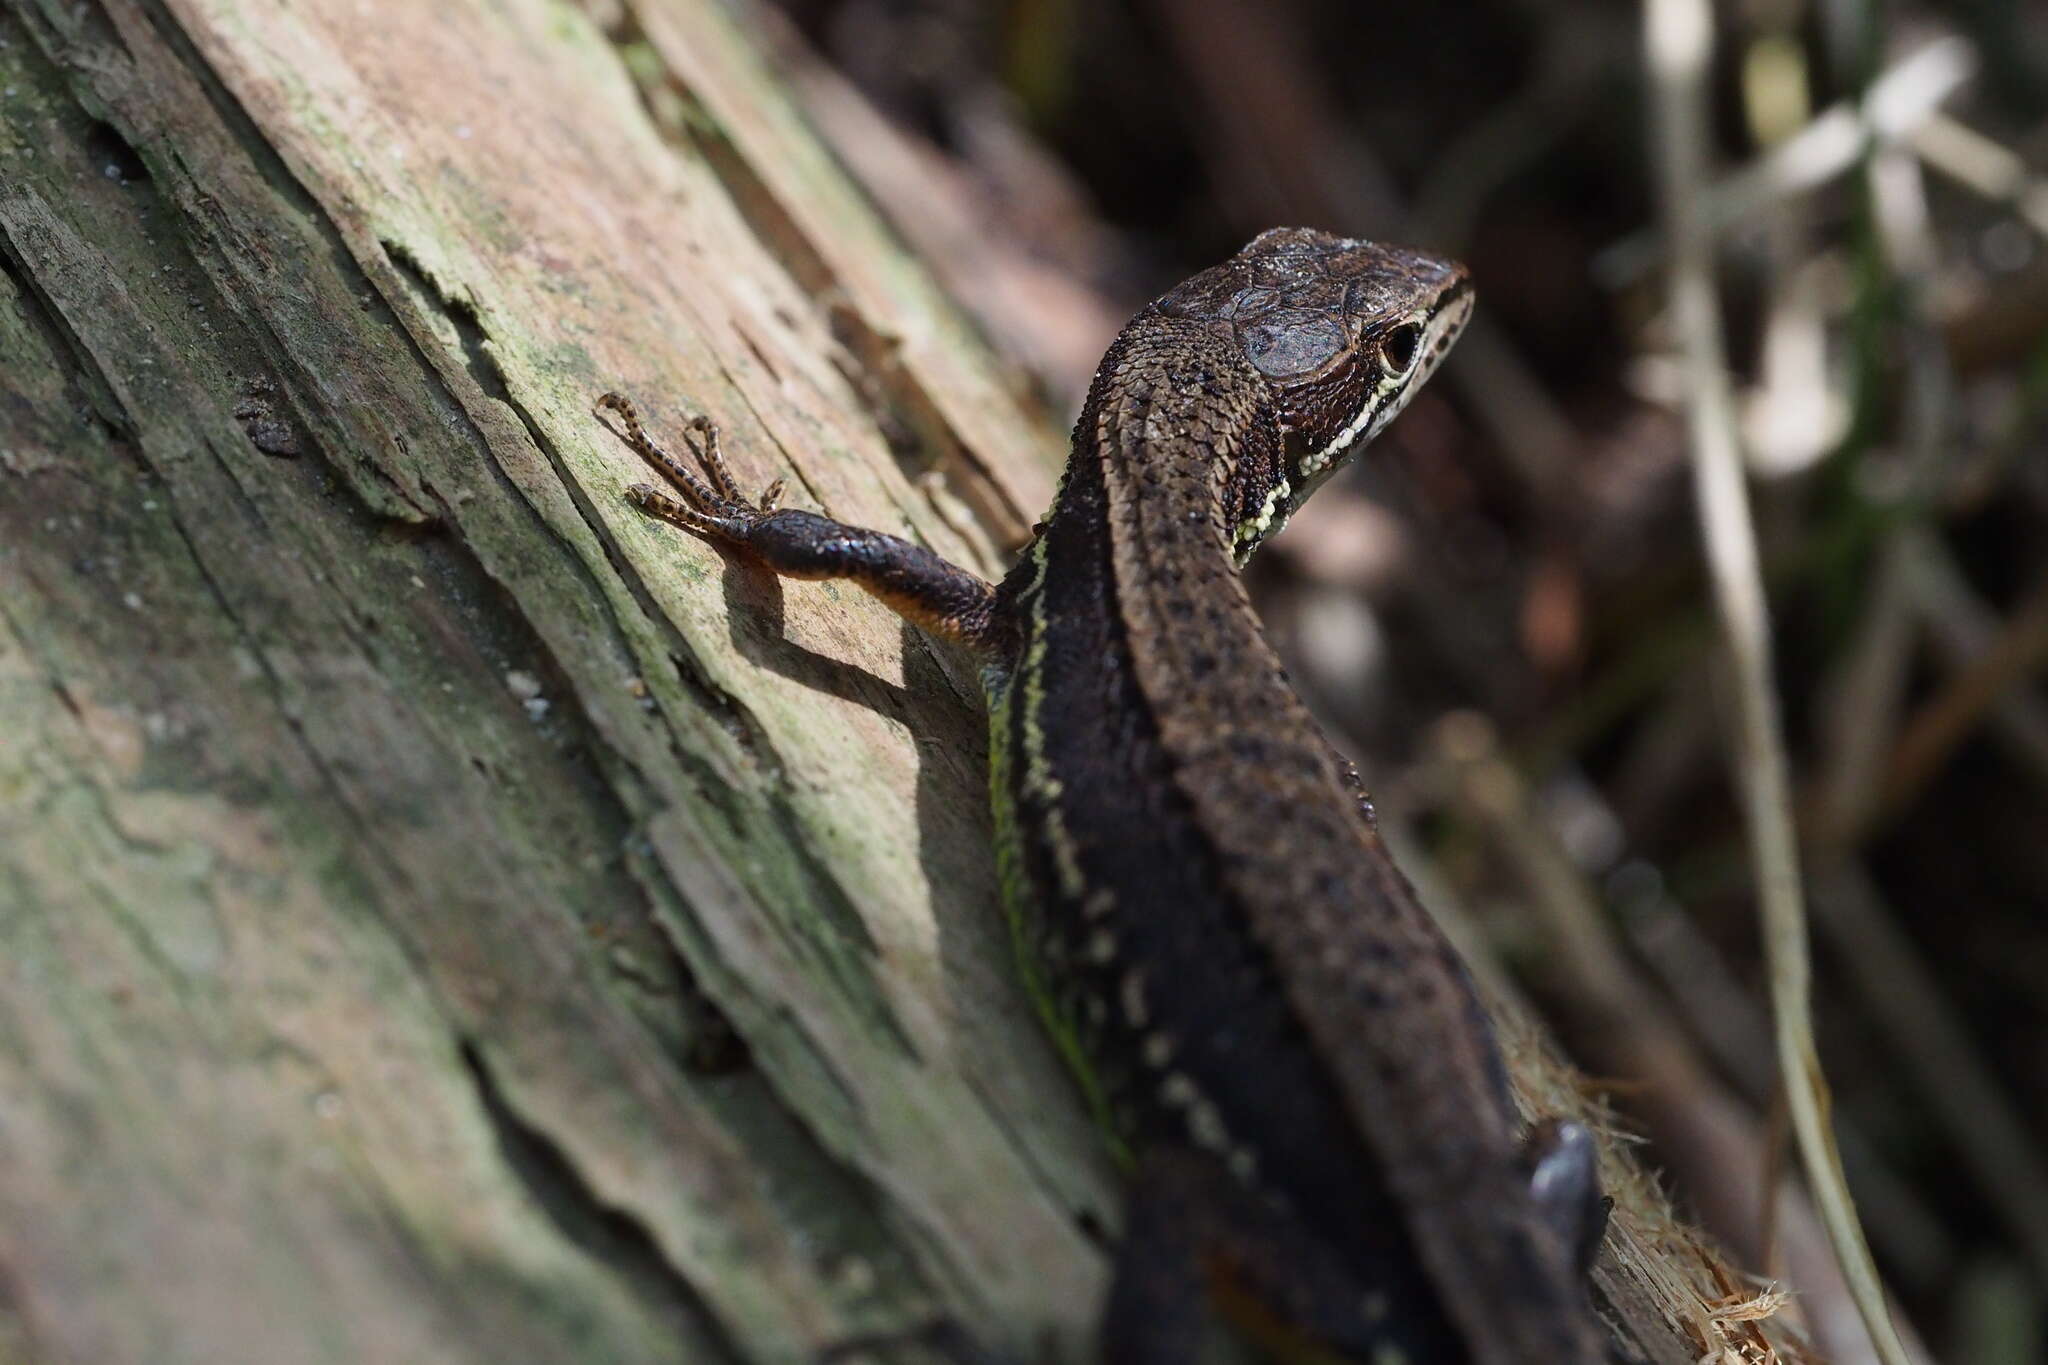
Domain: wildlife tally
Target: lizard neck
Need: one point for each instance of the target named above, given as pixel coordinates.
(1184, 439)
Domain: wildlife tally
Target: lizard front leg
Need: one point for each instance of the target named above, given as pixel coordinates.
(928, 591)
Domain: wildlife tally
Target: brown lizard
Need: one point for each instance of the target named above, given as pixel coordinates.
(1284, 1049)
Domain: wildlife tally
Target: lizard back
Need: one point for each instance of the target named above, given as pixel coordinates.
(1221, 944)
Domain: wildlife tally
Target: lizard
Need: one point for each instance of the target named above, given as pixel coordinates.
(1292, 1064)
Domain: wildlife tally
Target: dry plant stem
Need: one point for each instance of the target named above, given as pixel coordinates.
(1895, 105)
(1712, 1005)
(1678, 37)
(1714, 1132)
(1619, 1026)
(1860, 716)
(1930, 1038)
(1963, 628)
(1904, 225)
(1989, 168)
(2017, 653)
(1872, 696)
(1896, 987)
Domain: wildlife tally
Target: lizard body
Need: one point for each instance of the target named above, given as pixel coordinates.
(1291, 1059)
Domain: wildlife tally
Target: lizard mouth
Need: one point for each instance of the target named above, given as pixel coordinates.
(1438, 328)
(1426, 336)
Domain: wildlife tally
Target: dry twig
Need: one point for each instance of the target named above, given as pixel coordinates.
(1678, 37)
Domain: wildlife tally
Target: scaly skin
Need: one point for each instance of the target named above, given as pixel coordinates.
(1285, 1051)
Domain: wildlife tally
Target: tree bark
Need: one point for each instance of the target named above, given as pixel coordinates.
(399, 834)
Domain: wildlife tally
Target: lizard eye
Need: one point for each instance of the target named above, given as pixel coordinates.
(1400, 348)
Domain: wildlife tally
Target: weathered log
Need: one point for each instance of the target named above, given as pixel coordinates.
(399, 834)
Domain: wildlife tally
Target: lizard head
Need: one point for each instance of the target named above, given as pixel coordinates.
(1342, 332)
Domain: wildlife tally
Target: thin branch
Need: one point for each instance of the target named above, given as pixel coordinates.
(1678, 37)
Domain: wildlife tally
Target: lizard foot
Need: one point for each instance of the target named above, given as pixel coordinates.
(942, 598)
(711, 501)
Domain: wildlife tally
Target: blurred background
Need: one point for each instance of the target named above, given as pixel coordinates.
(1503, 609)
